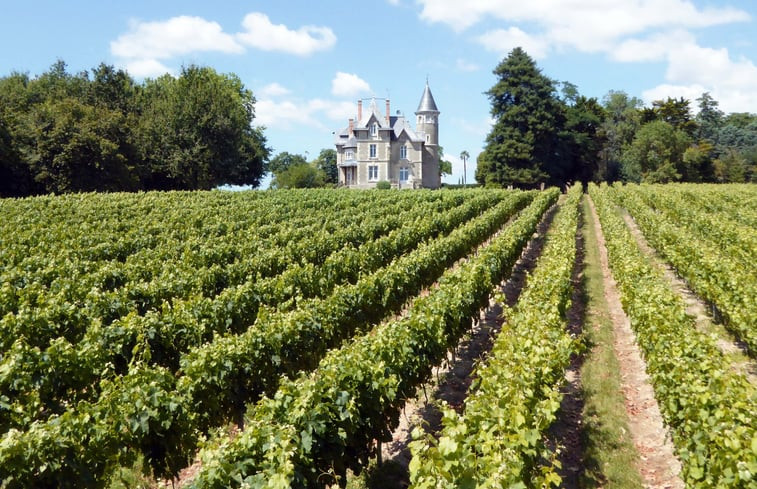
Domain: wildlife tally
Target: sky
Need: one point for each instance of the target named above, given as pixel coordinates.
(308, 62)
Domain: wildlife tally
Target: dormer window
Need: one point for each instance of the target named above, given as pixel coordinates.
(374, 129)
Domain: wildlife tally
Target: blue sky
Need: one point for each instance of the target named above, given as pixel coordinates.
(308, 62)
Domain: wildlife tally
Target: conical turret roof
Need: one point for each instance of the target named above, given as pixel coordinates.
(427, 102)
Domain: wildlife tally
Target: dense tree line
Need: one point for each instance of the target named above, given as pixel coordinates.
(102, 131)
(292, 170)
(546, 132)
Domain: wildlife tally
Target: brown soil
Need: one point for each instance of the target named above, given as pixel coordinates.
(697, 308)
(567, 430)
(658, 466)
(455, 376)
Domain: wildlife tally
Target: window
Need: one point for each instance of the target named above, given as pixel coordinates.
(403, 152)
(404, 174)
(349, 155)
(374, 129)
(372, 152)
(373, 173)
(428, 138)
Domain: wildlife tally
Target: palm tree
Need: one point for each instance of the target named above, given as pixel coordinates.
(464, 156)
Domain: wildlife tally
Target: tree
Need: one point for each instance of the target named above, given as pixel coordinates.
(656, 154)
(15, 137)
(582, 139)
(464, 155)
(731, 167)
(77, 148)
(521, 148)
(326, 162)
(709, 118)
(196, 131)
(698, 162)
(299, 175)
(617, 130)
(61, 132)
(675, 112)
(284, 160)
(445, 166)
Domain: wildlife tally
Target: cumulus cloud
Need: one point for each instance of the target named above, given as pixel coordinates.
(272, 90)
(603, 18)
(590, 26)
(145, 47)
(147, 68)
(626, 31)
(503, 41)
(262, 34)
(348, 85)
(176, 36)
(693, 69)
(291, 112)
(147, 43)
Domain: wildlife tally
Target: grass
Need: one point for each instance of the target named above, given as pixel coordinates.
(610, 457)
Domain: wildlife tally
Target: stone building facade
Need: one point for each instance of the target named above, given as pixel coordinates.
(377, 146)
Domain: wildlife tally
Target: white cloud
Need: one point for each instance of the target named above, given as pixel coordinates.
(262, 34)
(654, 48)
(147, 68)
(143, 47)
(590, 26)
(599, 19)
(693, 69)
(334, 110)
(504, 40)
(662, 92)
(627, 31)
(173, 37)
(348, 85)
(272, 90)
(285, 114)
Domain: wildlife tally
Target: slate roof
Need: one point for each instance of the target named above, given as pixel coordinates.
(427, 103)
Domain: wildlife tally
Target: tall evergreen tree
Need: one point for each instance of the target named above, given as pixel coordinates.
(522, 147)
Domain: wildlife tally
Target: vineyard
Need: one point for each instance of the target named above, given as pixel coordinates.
(136, 329)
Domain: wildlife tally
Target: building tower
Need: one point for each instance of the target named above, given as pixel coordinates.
(427, 127)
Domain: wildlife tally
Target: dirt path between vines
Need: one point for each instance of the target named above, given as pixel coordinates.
(697, 308)
(658, 466)
(567, 430)
(453, 378)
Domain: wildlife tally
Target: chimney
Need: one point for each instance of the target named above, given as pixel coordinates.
(387, 111)
(352, 126)
(359, 111)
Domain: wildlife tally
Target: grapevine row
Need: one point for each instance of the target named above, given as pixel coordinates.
(321, 424)
(713, 275)
(499, 441)
(41, 378)
(709, 408)
(79, 295)
(146, 412)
